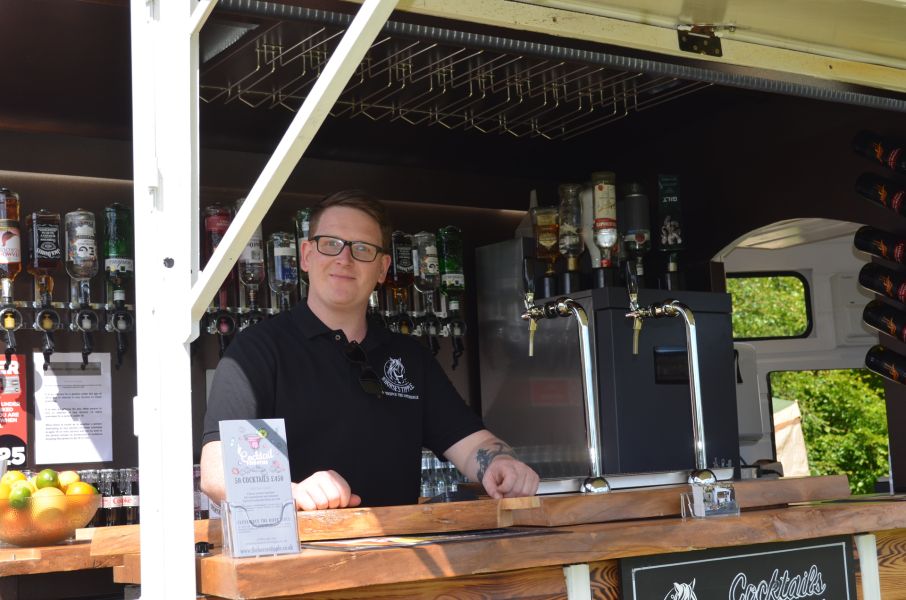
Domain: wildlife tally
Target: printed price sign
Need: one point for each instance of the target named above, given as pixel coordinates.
(13, 417)
(816, 569)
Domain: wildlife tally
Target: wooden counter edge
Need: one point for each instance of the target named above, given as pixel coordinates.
(323, 570)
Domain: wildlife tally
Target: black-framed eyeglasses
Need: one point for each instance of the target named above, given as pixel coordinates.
(332, 246)
(368, 379)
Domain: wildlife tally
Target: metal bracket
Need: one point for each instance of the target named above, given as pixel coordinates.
(701, 39)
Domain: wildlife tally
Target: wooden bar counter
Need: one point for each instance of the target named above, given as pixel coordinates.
(535, 538)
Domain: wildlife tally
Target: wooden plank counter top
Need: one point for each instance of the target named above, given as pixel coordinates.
(317, 570)
(51, 559)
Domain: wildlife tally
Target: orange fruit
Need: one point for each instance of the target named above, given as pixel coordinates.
(80, 493)
(68, 477)
(10, 476)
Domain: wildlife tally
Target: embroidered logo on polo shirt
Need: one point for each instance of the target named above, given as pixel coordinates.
(395, 376)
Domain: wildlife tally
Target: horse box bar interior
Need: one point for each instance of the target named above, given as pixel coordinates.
(456, 112)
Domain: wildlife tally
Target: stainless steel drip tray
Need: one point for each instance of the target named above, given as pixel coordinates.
(627, 480)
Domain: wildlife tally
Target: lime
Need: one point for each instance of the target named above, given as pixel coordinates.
(18, 496)
(47, 478)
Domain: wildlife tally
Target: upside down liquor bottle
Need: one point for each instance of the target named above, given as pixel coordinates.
(884, 281)
(885, 319)
(885, 192)
(886, 363)
(45, 254)
(217, 219)
(881, 244)
(887, 152)
(10, 243)
(119, 264)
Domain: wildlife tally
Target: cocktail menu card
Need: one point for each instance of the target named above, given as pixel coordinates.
(260, 515)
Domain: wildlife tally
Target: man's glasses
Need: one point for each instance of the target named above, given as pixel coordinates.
(368, 379)
(332, 246)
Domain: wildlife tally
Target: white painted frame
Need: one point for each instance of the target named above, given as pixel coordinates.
(171, 293)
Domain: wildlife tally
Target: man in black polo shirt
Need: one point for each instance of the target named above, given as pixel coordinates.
(359, 402)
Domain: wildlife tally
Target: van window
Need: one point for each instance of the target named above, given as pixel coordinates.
(769, 305)
(831, 422)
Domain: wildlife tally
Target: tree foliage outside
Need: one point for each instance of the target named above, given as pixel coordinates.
(772, 306)
(844, 418)
(844, 422)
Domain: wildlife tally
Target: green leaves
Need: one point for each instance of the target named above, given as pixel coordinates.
(768, 306)
(844, 421)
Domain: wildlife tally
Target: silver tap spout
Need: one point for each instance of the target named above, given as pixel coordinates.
(674, 308)
(565, 307)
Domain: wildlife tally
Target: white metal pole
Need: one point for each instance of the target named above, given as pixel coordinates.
(324, 93)
(165, 166)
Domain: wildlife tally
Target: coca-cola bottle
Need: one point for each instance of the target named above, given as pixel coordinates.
(886, 363)
(885, 192)
(881, 244)
(887, 152)
(883, 281)
(885, 318)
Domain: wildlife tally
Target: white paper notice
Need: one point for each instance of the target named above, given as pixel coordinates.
(73, 421)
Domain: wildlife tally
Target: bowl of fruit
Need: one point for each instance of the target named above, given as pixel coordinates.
(46, 508)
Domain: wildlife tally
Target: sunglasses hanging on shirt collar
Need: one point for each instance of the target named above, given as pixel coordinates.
(368, 379)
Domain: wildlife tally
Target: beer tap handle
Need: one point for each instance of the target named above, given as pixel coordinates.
(636, 331)
(532, 328)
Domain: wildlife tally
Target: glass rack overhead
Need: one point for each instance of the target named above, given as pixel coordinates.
(431, 83)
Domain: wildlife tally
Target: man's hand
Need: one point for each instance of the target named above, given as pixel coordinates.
(324, 489)
(485, 458)
(506, 477)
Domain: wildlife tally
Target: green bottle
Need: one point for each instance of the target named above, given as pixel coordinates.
(119, 265)
(449, 250)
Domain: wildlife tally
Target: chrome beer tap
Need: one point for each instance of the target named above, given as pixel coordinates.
(701, 475)
(566, 307)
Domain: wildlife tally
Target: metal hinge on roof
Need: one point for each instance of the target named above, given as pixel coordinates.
(701, 39)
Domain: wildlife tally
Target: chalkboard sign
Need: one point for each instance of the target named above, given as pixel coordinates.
(819, 569)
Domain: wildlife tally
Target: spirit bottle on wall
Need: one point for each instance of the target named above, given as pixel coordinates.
(44, 256)
(10, 267)
(217, 218)
(886, 363)
(881, 244)
(570, 236)
(119, 270)
(282, 266)
(400, 276)
(605, 203)
(885, 192)
(885, 319)
(890, 153)
(452, 284)
(250, 266)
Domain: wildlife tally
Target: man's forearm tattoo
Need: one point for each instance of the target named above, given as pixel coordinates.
(484, 456)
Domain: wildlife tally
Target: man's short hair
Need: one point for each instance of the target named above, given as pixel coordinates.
(359, 200)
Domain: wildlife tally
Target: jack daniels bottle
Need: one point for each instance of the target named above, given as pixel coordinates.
(890, 153)
(886, 363)
(885, 192)
(881, 244)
